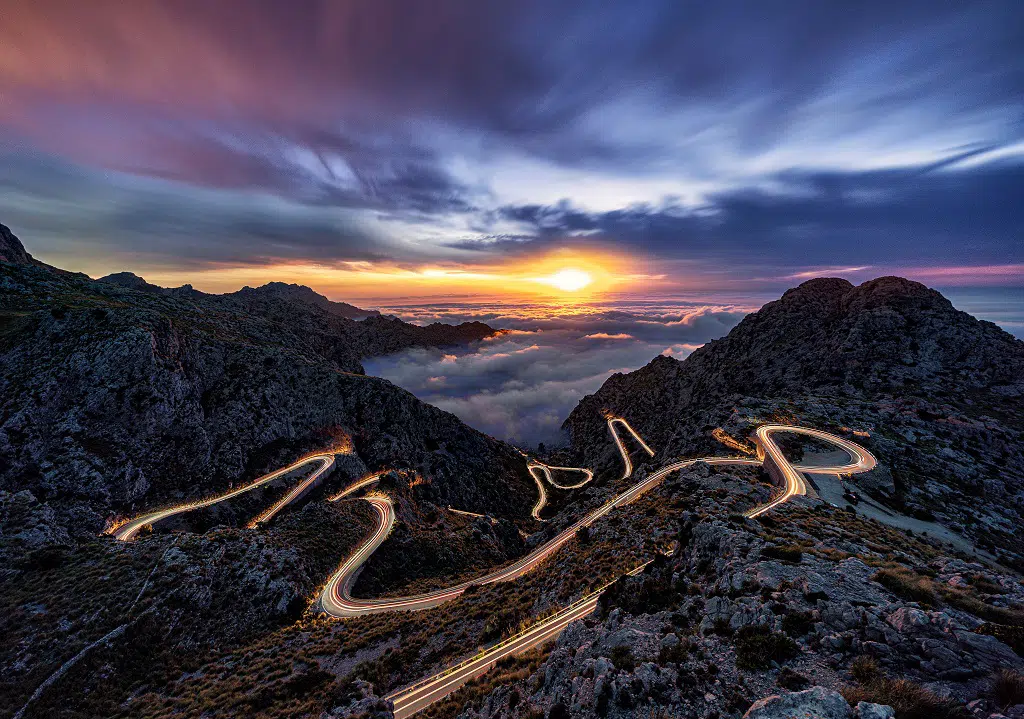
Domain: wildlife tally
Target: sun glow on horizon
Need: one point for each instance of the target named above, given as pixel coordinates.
(568, 280)
(561, 275)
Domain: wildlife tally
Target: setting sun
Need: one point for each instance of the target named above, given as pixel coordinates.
(568, 280)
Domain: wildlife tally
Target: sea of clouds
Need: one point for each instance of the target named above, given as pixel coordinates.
(521, 385)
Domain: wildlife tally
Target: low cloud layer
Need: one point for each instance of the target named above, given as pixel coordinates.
(521, 385)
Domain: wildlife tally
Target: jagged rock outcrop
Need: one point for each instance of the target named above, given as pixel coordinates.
(935, 393)
(815, 703)
(11, 249)
(116, 398)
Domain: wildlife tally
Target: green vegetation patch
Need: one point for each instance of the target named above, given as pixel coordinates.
(758, 646)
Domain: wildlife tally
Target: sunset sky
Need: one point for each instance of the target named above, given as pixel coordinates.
(393, 149)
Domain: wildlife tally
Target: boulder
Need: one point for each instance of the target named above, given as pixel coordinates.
(814, 703)
(867, 710)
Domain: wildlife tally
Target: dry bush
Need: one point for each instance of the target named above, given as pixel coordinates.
(757, 647)
(909, 700)
(1008, 688)
(865, 669)
(907, 585)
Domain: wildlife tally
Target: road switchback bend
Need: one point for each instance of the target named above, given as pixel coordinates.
(336, 598)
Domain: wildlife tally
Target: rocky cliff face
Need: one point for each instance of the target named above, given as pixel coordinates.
(339, 331)
(11, 249)
(938, 391)
(741, 618)
(116, 399)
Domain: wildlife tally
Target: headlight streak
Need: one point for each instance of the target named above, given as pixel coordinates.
(336, 600)
(126, 531)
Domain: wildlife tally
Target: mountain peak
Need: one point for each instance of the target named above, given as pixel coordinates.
(11, 249)
(895, 292)
(820, 286)
(129, 280)
(883, 340)
(305, 295)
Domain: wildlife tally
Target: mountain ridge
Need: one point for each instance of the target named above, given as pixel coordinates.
(270, 291)
(889, 356)
(118, 395)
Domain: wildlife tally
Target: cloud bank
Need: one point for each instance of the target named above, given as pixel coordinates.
(521, 385)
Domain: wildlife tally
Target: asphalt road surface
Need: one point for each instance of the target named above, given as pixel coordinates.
(336, 599)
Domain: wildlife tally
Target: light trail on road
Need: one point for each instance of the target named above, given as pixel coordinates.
(861, 461)
(128, 530)
(413, 699)
(336, 599)
(546, 469)
(612, 421)
(410, 700)
(545, 472)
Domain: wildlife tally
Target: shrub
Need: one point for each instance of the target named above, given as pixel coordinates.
(44, 558)
(988, 612)
(783, 554)
(907, 585)
(757, 647)
(793, 681)
(675, 653)
(909, 700)
(1008, 688)
(721, 627)
(797, 624)
(865, 669)
(986, 585)
(558, 710)
(622, 658)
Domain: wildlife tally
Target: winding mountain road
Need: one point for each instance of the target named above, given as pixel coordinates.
(412, 699)
(337, 600)
(128, 530)
(541, 471)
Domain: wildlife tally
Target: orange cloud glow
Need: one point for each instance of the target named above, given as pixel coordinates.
(567, 276)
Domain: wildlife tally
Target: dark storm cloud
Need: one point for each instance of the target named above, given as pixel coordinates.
(415, 111)
(153, 221)
(946, 214)
(531, 72)
(313, 167)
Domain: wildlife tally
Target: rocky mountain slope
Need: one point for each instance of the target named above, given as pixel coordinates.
(812, 612)
(936, 394)
(116, 398)
(119, 394)
(249, 298)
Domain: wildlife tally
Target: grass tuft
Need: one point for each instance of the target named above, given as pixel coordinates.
(1007, 688)
(909, 700)
(757, 647)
